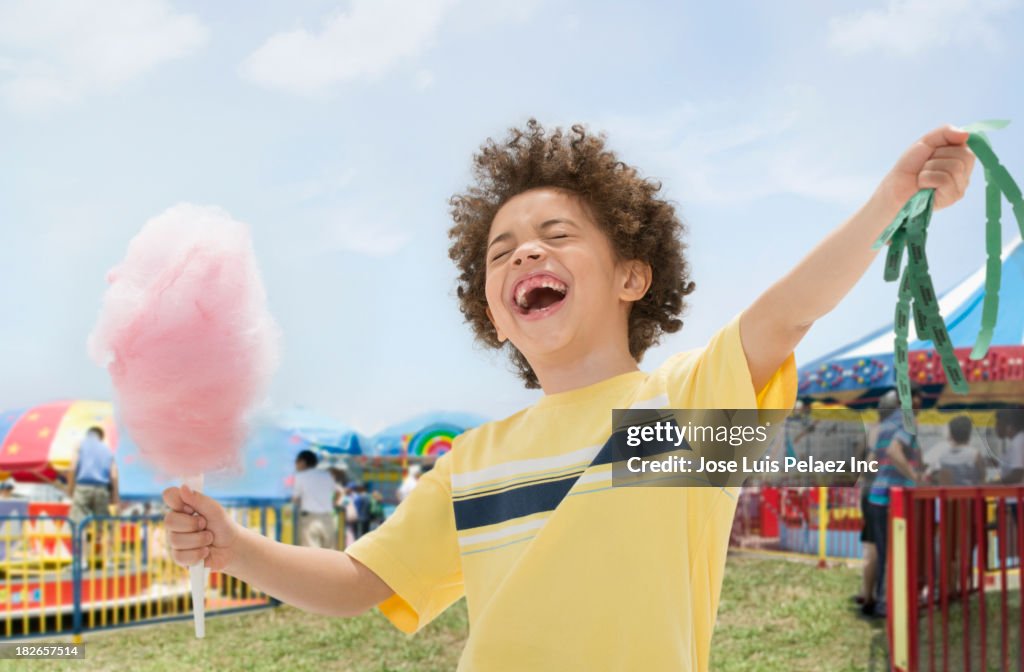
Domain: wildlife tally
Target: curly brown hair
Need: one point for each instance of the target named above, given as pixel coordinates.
(626, 206)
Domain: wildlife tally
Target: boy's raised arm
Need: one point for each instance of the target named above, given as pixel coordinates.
(313, 579)
(776, 322)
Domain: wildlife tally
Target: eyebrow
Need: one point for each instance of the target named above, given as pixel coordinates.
(543, 225)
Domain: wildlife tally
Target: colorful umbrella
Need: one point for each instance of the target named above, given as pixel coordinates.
(36, 443)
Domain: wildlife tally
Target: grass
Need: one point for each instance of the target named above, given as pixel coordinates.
(276, 639)
(955, 635)
(774, 615)
(781, 615)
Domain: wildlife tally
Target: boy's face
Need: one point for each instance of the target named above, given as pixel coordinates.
(555, 287)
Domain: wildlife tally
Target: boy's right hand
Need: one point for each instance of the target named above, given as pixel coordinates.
(208, 535)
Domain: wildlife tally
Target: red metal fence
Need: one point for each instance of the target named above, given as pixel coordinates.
(954, 589)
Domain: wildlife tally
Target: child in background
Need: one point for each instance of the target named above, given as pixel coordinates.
(571, 262)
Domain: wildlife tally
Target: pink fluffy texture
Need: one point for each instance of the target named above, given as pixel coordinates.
(187, 338)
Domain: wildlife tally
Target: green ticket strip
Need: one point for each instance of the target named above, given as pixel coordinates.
(907, 236)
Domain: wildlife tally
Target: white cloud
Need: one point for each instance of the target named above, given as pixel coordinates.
(326, 185)
(362, 232)
(57, 52)
(351, 227)
(912, 26)
(365, 42)
(369, 243)
(729, 151)
(424, 80)
(332, 212)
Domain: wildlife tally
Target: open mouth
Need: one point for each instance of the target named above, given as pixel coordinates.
(539, 295)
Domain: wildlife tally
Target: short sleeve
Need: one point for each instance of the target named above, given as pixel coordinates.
(717, 376)
(416, 552)
(908, 440)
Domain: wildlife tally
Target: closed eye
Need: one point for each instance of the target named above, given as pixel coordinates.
(499, 255)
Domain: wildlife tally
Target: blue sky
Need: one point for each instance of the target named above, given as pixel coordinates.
(338, 130)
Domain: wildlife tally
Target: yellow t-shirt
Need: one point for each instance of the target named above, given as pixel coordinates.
(562, 571)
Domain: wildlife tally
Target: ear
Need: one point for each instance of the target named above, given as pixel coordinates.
(501, 337)
(636, 280)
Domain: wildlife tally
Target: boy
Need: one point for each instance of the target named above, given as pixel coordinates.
(957, 462)
(570, 261)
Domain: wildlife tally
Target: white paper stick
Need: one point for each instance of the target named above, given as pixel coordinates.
(197, 574)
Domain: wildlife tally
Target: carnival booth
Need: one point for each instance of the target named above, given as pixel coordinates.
(36, 446)
(856, 374)
(121, 571)
(114, 570)
(37, 443)
(418, 440)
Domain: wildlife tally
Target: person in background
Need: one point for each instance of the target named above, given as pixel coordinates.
(92, 480)
(1010, 426)
(958, 463)
(409, 482)
(799, 427)
(869, 573)
(348, 506)
(362, 504)
(314, 493)
(7, 488)
(899, 465)
(376, 509)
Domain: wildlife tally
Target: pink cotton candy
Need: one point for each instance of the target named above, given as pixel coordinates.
(187, 338)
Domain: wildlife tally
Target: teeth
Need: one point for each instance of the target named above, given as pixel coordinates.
(557, 286)
(525, 287)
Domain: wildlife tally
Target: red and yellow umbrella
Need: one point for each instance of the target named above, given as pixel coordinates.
(38, 442)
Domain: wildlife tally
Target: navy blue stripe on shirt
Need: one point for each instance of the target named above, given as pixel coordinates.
(525, 499)
(502, 506)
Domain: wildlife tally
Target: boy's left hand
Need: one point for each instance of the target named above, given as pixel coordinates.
(940, 160)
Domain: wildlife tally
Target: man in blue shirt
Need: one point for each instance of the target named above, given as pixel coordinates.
(899, 465)
(92, 484)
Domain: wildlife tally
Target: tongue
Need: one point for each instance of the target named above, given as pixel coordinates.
(542, 297)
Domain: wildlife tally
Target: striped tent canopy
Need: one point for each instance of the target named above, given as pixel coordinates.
(38, 442)
(857, 371)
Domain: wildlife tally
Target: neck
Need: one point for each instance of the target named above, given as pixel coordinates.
(573, 373)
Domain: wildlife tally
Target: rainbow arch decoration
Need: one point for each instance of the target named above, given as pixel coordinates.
(433, 440)
(422, 434)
